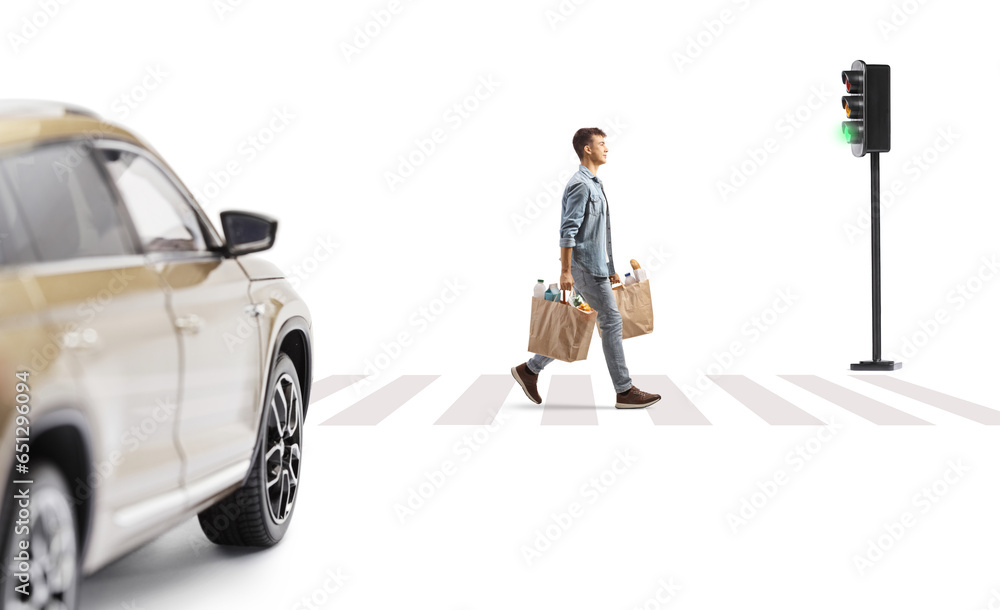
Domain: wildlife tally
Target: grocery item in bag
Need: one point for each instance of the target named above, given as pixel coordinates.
(552, 294)
(640, 273)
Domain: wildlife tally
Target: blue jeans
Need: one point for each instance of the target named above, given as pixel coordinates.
(596, 291)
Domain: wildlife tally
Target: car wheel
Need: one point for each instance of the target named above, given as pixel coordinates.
(46, 553)
(258, 513)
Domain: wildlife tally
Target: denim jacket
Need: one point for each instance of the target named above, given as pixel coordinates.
(586, 224)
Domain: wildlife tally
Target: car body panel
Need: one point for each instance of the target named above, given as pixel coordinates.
(281, 305)
(221, 362)
(113, 319)
(258, 268)
(25, 346)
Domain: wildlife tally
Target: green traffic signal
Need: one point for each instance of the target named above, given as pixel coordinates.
(853, 131)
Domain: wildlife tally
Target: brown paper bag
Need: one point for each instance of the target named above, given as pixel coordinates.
(559, 330)
(635, 304)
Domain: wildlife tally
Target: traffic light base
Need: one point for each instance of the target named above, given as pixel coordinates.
(881, 365)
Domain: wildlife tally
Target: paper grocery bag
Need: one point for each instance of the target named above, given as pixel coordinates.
(559, 330)
(635, 304)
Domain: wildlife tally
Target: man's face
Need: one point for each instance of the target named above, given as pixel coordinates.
(597, 151)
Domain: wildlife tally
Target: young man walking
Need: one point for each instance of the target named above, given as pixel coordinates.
(585, 252)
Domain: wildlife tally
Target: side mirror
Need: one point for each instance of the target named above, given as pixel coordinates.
(247, 232)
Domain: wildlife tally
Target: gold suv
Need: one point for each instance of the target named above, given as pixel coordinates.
(149, 369)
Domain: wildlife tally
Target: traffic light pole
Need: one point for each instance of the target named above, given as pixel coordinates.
(876, 264)
(876, 363)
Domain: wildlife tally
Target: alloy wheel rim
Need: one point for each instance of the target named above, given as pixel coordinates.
(52, 566)
(284, 442)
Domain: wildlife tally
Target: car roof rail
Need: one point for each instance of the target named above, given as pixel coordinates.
(43, 108)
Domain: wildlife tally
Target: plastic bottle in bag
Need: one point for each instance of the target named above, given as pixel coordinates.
(540, 290)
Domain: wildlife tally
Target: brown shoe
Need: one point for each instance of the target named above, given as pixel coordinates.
(528, 382)
(635, 398)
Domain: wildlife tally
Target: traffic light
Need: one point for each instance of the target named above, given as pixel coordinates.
(867, 108)
(867, 131)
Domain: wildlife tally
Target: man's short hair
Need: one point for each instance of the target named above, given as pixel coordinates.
(583, 137)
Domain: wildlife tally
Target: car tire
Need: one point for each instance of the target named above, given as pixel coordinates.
(53, 540)
(258, 513)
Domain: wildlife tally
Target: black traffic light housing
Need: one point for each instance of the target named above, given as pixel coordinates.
(867, 106)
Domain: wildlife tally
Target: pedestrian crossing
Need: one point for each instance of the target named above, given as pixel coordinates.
(480, 403)
(675, 408)
(375, 407)
(569, 400)
(962, 408)
(873, 410)
(770, 407)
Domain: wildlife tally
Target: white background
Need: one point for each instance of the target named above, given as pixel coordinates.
(679, 129)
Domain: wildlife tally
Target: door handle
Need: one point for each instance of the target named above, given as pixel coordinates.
(84, 338)
(190, 324)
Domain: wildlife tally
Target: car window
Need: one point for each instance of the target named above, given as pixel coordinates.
(66, 205)
(162, 216)
(16, 246)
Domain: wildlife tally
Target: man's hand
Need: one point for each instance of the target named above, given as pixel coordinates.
(566, 281)
(614, 279)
